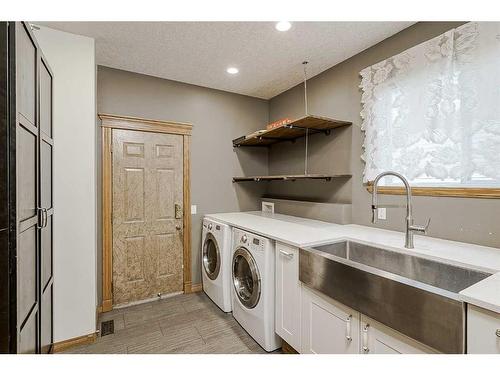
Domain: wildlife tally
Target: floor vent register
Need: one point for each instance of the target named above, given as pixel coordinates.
(107, 327)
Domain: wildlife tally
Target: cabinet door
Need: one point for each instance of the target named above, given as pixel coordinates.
(377, 338)
(288, 294)
(483, 331)
(328, 327)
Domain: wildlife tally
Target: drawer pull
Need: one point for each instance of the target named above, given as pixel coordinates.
(288, 255)
(348, 328)
(365, 348)
(498, 332)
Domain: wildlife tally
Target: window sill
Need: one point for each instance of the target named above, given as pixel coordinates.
(488, 193)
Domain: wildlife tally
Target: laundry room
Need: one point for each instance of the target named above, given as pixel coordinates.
(195, 184)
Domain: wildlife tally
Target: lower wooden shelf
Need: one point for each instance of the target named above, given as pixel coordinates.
(326, 177)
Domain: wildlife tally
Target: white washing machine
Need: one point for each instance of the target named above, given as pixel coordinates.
(216, 253)
(253, 291)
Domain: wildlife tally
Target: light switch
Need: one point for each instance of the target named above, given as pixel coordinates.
(193, 209)
(382, 213)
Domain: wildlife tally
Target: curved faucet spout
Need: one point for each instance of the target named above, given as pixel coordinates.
(375, 194)
(410, 228)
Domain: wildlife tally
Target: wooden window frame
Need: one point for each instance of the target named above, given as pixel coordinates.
(108, 123)
(487, 193)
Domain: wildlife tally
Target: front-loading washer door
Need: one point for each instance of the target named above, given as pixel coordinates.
(211, 257)
(246, 278)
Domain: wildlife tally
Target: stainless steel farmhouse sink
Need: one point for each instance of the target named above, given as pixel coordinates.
(415, 296)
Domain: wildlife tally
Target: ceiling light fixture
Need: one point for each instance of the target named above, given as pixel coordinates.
(232, 70)
(283, 26)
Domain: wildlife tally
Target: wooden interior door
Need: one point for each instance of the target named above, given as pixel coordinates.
(5, 195)
(27, 194)
(46, 206)
(147, 220)
(34, 201)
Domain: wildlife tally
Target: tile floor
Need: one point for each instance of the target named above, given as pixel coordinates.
(188, 323)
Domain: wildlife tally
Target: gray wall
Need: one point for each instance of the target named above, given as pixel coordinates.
(335, 93)
(217, 118)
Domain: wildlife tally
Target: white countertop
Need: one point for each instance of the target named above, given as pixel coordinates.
(302, 232)
(485, 294)
(292, 230)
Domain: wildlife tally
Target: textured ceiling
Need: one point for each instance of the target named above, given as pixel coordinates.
(199, 52)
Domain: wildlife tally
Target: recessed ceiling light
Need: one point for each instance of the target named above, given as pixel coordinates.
(283, 26)
(232, 70)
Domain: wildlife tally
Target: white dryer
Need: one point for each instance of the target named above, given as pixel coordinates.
(253, 291)
(216, 262)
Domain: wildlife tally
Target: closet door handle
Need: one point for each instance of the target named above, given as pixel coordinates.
(288, 255)
(365, 348)
(348, 336)
(40, 214)
(46, 217)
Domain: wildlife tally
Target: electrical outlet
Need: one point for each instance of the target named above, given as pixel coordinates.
(382, 213)
(193, 209)
(268, 207)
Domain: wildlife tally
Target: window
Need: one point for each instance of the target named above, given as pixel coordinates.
(432, 113)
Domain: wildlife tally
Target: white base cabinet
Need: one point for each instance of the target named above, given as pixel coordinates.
(483, 331)
(377, 338)
(328, 327)
(288, 290)
(311, 322)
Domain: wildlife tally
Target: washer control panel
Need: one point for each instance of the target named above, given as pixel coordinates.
(249, 240)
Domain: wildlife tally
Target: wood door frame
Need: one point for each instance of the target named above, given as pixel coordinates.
(108, 123)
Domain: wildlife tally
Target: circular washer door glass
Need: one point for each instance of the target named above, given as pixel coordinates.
(211, 257)
(246, 278)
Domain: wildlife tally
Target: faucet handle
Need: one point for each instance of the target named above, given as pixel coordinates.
(427, 225)
(421, 228)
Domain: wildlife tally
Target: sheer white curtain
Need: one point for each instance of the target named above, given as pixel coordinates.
(432, 112)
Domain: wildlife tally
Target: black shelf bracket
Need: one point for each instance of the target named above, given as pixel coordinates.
(311, 130)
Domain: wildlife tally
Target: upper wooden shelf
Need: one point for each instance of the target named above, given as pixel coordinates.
(291, 131)
(292, 177)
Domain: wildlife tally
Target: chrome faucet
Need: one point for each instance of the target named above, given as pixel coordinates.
(410, 228)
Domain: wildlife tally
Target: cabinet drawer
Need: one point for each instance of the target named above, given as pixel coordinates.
(483, 331)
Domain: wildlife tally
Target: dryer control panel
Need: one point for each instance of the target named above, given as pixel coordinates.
(212, 226)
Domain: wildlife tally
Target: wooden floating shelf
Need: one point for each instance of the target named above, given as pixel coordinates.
(326, 177)
(290, 132)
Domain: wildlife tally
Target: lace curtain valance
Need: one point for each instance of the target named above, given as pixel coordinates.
(432, 112)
